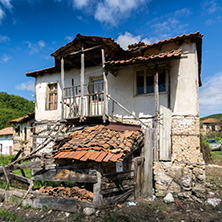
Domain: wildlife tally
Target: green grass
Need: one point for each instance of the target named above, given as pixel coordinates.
(216, 156)
(8, 216)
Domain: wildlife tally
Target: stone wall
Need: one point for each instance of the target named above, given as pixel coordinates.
(185, 173)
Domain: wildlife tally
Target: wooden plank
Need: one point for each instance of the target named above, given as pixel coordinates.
(156, 94)
(63, 204)
(62, 85)
(148, 164)
(105, 105)
(82, 82)
(64, 175)
(97, 197)
(165, 133)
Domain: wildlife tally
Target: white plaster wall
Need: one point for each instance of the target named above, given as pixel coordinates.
(184, 82)
(184, 88)
(41, 92)
(6, 142)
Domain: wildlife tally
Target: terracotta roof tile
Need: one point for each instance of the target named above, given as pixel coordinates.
(6, 131)
(138, 59)
(99, 143)
(24, 118)
(210, 120)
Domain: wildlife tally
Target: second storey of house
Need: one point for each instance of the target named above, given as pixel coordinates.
(104, 79)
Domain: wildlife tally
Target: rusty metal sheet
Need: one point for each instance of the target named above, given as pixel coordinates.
(115, 157)
(101, 156)
(122, 127)
(80, 154)
(107, 158)
(94, 155)
(87, 155)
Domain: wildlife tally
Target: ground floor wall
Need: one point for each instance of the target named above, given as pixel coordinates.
(185, 174)
(6, 145)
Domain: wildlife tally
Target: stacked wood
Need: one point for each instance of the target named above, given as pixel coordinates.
(74, 192)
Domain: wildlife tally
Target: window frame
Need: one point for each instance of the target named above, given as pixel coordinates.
(54, 100)
(147, 73)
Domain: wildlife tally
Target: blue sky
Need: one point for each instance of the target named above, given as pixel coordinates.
(30, 30)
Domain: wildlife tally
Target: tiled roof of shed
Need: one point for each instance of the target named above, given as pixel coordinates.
(23, 118)
(6, 131)
(99, 143)
(161, 55)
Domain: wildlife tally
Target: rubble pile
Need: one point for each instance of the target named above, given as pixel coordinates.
(75, 192)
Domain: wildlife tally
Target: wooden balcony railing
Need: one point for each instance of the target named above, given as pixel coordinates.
(90, 104)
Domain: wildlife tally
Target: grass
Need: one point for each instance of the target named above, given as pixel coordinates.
(5, 215)
(216, 157)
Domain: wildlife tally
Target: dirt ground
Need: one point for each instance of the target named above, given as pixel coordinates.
(181, 211)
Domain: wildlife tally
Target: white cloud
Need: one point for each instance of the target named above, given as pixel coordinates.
(4, 38)
(210, 6)
(35, 47)
(2, 15)
(5, 58)
(184, 12)
(41, 44)
(6, 3)
(211, 95)
(128, 39)
(29, 86)
(80, 3)
(69, 38)
(111, 11)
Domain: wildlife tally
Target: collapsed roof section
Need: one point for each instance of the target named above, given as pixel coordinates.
(100, 143)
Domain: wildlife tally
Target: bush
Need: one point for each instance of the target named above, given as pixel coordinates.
(205, 149)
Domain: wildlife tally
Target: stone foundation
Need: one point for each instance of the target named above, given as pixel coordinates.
(185, 173)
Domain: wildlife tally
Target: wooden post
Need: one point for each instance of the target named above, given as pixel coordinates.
(148, 164)
(105, 106)
(97, 197)
(82, 83)
(62, 85)
(156, 95)
(168, 86)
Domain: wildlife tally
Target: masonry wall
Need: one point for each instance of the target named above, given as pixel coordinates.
(20, 140)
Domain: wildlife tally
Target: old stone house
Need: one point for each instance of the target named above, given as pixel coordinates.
(210, 125)
(109, 98)
(22, 133)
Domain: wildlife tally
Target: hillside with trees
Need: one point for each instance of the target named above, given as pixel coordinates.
(12, 107)
(214, 116)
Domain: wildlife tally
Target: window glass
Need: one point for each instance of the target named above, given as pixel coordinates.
(162, 81)
(140, 82)
(149, 84)
(52, 96)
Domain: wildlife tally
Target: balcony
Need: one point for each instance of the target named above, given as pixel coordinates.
(90, 103)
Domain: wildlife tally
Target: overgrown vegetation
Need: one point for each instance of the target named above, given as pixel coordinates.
(205, 149)
(12, 107)
(5, 215)
(214, 116)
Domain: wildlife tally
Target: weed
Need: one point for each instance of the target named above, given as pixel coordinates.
(27, 206)
(44, 208)
(8, 216)
(116, 218)
(76, 218)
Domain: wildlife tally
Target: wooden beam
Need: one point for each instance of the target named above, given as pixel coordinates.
(82, 51)
(91, 59)
(105, 106)
(82, 83)
(62, 86)
(147, 189)
(156, 92)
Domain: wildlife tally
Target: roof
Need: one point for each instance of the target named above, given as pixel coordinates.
(210, 120)
(24, 118)
(89, 41)
(162, 55)
(99, 143)
(6, 131)
(48, 70)
(180, 38)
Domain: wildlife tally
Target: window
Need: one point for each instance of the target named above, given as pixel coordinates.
(145, 81)
(52, 97)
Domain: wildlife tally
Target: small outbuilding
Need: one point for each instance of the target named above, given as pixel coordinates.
(6, 142)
